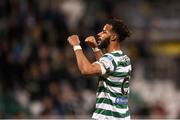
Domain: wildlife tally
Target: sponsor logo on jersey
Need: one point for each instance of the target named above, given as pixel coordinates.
(121, 100)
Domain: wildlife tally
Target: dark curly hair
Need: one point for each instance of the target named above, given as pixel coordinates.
(119, 28)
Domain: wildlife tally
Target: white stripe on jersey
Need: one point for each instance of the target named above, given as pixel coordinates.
(115, 79)
(104, 117)
(123, 69)
(111, 108)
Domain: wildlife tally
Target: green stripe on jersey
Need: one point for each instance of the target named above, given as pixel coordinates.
(112, 94)
(119, 74)
(109, 101)
(123, 64)
(116, 84)
(117, 54)
(113, 84)
(111, 113)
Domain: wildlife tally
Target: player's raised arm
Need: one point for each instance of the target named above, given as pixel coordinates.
(84, 65)
(91, 41)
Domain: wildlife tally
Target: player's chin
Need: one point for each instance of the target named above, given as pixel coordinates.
(104, 44)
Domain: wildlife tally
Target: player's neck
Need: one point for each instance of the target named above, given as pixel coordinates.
(113, 47)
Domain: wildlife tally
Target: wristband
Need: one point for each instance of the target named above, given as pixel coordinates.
(95, 49)
(77, 47)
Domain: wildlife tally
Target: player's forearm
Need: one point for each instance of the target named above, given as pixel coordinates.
(83, 63)
(98, 54)
(86, 68)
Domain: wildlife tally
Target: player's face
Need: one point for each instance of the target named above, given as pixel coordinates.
(104, 37)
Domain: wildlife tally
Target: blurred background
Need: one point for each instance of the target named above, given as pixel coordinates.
(39, 77)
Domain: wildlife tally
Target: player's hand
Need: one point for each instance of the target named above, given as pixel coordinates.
(73, 40)
(91, 41)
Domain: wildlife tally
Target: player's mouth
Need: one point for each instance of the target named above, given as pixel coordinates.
(102, 43)
(98, 40)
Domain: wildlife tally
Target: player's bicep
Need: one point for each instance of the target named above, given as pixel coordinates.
(96, 69)
(105, 65)
(100, 68)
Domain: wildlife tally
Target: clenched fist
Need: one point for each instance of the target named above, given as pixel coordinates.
(91, 41)
(73, 40)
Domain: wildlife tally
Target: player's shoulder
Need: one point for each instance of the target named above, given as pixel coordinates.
(120, 56)
(108, 56)
(117, 53)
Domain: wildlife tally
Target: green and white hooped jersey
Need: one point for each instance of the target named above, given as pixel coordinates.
(113, 90)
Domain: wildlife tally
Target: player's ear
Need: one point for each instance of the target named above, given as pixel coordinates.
(113, 37)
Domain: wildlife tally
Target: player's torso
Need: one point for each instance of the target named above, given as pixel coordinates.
(113, 90)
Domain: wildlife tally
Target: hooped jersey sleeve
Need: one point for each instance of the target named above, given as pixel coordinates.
(107, 64)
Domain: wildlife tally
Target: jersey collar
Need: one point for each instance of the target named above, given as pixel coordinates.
(119, 51)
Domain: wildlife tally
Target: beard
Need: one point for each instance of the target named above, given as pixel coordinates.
(103, 44)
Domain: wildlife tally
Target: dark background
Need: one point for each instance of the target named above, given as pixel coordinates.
(39, 77)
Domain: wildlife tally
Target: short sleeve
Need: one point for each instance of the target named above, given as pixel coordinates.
(108, 63)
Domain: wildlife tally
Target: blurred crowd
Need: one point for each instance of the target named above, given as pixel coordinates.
(39, 77)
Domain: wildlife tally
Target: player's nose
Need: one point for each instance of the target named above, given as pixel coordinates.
(99, 34)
